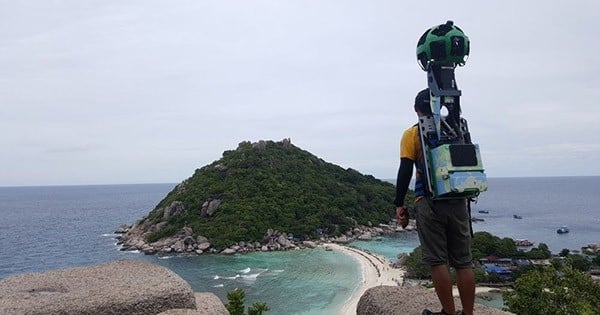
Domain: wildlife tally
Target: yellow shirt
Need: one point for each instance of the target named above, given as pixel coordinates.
(410, 148)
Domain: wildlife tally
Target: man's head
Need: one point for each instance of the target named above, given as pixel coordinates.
(422, 106)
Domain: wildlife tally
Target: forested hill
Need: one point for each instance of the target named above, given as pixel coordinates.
(270, 185)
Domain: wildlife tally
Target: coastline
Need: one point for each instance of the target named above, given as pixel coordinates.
(375, 270)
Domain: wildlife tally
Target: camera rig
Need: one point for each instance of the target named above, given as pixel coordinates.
(452, 163)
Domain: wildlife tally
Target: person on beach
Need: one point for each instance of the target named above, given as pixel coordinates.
(443, 225)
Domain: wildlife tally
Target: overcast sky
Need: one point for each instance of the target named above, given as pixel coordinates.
(112, 91)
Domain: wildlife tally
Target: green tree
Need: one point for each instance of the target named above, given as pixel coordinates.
(415, 266)
(541, 252)
(546, 291)
(596, 260)
(579, 262)
(236, 304)
(479, 275)
(506, 248)
(564, 252)
(485, 243)
(258, 308)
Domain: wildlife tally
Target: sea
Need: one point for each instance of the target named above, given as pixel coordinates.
(50, 227)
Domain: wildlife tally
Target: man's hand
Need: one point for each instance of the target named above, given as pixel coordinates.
(402, 216)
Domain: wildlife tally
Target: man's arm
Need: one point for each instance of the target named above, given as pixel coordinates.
(402, 181)
(405, 172)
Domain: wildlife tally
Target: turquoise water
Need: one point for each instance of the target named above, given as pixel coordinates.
(303, 282)
(298, 282)
(496, 300)
(390, 247)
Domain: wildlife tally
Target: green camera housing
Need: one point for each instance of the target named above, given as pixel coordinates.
(457, 171)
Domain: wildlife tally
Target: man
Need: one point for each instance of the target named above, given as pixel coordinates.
(443, 225)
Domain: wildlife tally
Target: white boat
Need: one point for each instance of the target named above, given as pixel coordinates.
(563, 229)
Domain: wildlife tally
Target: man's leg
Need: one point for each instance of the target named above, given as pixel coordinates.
(443, 287)
(465, 280)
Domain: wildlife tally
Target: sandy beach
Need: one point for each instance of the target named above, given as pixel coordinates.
(376, 270)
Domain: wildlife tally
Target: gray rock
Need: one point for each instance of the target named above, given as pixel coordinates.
(309, 244)
(185, 231)
(203, 245)
(283, 241)
(228, 251)
(365, 237)
(342, 239)
(124, 287)
(175, 208)
(178, 247)
(208, 304)
(209, 207)
(188, 240)
(122, 229)
(391, 300)
(165, 242)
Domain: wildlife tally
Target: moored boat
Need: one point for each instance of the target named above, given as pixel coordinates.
(563, 229)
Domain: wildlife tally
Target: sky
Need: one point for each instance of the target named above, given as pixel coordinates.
(147, 91)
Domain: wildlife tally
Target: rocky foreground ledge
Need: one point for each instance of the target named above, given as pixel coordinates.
(130, 287)
(135, 287)
(393, 300)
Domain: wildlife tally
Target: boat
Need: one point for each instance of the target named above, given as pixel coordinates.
(483, 211)
(517, 216)
(563, 229)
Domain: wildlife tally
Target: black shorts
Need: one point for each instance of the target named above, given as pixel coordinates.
(444, 232)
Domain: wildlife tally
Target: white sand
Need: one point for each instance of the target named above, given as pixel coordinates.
(376, 270)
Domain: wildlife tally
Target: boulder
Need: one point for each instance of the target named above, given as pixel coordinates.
(342, 239)
(207, 304)
(209, 207)
(365, 237)
(132, 287)
(283, 241)
(309, 244)
(174, 209)
(228, 251)
(122, 229)
(393, 300)
(203, 245)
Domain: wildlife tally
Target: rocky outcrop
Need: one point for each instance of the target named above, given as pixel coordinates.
(123, 287)
(391, 300)
(206, 304)
(174, 209)
(209, 207)
(591, 249)
(134, 237)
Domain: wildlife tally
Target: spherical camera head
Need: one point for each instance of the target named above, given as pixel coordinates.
(443, 45)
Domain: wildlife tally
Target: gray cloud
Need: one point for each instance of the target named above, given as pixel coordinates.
(147, 91)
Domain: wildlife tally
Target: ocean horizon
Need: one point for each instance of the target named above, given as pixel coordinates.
(52, 227)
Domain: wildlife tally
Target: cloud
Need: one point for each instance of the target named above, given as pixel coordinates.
(127, 92)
